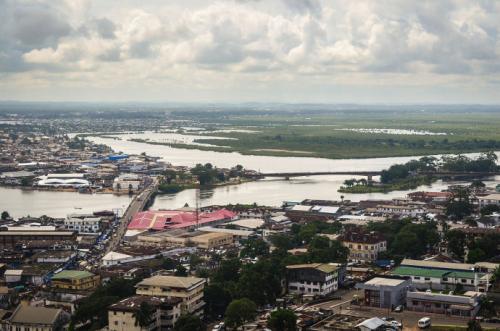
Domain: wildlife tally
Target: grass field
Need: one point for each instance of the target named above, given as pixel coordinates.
(332, 134)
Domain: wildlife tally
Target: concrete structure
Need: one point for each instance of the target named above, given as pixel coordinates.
(121, 315)
(491, 199)
(83, 223)
(188, 289)
(436, 275)
(363, 247)
(385, 292)
(203, 240)
(127, 183)
(29, 318)
(11, 239)
(466, 305)
(75, 280)
(312, 279)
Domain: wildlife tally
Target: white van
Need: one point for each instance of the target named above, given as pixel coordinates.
(424, 322)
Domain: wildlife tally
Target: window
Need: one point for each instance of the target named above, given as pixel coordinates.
(427, 278)
(416, 277)
(463, 280)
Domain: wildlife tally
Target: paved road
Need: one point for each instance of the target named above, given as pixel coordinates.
(136, 205)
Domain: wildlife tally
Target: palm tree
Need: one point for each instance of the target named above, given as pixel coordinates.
(143, 315)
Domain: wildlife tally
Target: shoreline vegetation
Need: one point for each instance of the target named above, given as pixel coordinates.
(424, 171)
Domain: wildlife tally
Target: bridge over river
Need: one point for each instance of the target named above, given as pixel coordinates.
(370, 174)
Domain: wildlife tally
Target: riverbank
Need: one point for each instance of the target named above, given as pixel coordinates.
(403, 185)
(176, 188)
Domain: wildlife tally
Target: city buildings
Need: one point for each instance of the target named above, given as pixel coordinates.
(363, 246)
(75, 280)
(188, 289)
(385, 292)
(315, 279)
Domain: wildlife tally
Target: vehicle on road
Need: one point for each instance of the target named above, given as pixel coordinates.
(424, 322)
(399, 309)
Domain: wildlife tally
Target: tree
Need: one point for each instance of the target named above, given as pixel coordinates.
(475, 255)
(169, 264)
(282, 320)
(181, 271)
(459, 206)
(490, 209)
(217, 299)
(143, 316)
(474, 325)
(255, 247)
(456, 243)
(188, 323)
(239, 312)
(5, 215)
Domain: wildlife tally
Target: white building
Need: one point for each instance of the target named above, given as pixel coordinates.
(490, 199)
(83, 223)
(127, 182)
(312, 279)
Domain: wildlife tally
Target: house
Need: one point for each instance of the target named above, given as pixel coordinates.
(121, 315)
(312, 279)
(75, 280)
(490, 199)
(27, 318)
(188, 289)
(385, 291)
(363, 246)
(466, 305)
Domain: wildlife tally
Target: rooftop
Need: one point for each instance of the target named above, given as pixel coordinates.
(325, 267)
(72, 274)
(172, 281)
(437, 265)
(35, 315)
(382, 281)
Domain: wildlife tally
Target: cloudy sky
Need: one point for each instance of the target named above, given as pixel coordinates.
(248, 50)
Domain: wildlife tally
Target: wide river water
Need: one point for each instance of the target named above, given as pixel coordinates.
(266, 192)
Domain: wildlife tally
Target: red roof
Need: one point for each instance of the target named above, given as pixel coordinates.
(175, 219)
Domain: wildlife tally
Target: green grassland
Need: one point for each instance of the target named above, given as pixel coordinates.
(317, 134)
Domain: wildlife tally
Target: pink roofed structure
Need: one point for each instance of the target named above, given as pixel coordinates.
(176, 219)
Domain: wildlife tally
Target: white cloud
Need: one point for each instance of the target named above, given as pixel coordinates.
(234, 43)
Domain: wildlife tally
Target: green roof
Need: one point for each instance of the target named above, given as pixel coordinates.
(419, 272)
(434, 273)
(72, 274)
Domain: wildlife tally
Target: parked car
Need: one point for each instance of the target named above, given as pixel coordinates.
(399, 309)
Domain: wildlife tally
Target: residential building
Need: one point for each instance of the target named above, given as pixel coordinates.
(312, 279)
(13, 239)
(385, 291)
(363, 246)
(490, 199)
(29, 318)
(188, 289)
(466, 305)
(121, 315)
(127, 183)
(75, 280)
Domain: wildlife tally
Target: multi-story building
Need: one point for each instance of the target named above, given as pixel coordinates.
(385, 292)
(466, 305)
(188, 289)
(363, 246)
(29, 318)
(122, 315)
(75, 280)
(436, 275)
(83, 223)
(490, 199)
(312, 279)
(12, 239)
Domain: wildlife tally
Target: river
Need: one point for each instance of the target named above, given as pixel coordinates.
(265, 192)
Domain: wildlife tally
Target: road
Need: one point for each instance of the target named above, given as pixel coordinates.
(136, 205)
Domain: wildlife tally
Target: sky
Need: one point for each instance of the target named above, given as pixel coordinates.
(288, 51)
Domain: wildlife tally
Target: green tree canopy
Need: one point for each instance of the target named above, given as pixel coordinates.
(282, 320)
(239, 312)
